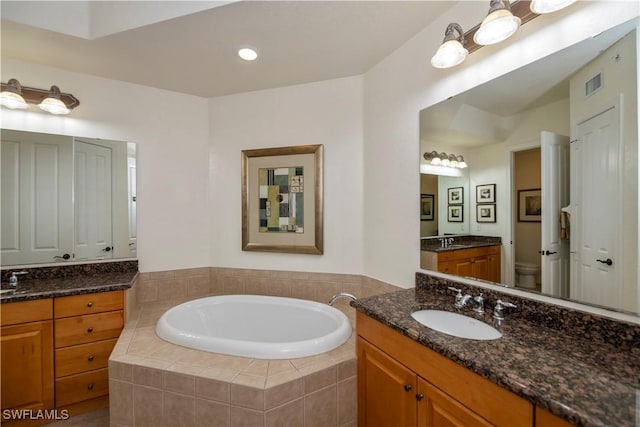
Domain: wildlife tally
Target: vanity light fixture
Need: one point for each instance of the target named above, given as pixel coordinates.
(52, 100)
(11, 95)
(499, 25)
(549, 6)
(444, 159)
(451, 52)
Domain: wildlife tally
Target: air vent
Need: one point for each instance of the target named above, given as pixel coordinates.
(593, 85)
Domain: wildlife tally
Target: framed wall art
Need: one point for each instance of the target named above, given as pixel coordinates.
(486, 213)
(455, 213)
(427, 207)
(282, 200)
(530, 205)
(455, 195)
(486, 193)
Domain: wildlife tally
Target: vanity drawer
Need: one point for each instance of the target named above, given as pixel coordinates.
(80, 387)
(78, 305)
(13, 313)
(89, 328)
(83, 357)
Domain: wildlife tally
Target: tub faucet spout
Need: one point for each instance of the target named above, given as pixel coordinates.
(341, 295)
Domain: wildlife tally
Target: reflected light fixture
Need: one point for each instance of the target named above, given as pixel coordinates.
(549, 6)
(11, 95)
(52, 103)
(444, 159)
(247, 53)
(451, 52)
(499, 25)
(14, 95)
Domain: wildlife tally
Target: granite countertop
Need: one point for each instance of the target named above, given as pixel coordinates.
(459, 242)
(583, 380)
(53, 282)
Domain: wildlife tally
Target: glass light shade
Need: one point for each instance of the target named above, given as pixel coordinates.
(436, 161)
(496, 27)
(449, 54)
(12, 100)
(461, 163)
(247, 54)
(549, 6)
(53, 106)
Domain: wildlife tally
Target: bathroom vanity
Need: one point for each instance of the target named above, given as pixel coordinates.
(57, 335)
(541, 372)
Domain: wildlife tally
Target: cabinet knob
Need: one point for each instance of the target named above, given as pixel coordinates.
(89, 304)
(90, 386)
(90, 329)
(407, 387)
(90, 358)
(419, 397)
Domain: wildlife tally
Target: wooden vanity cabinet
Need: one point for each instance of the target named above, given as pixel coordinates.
(401, 382)
(26, 354)
(480, 263)
(86, 330)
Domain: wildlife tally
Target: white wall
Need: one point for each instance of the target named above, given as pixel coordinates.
(328, 113)
(404, 83)
(172, 134)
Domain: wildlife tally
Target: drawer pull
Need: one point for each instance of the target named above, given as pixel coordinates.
(90, 330)
(89, 304)
(90, 358)
(90, 386)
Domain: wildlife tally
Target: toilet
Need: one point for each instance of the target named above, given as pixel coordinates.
(526, 274)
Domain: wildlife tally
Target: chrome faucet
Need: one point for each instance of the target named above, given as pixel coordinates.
(462, 300)
(13, 280)
(341, 295)
(445, 242)
(500, 305)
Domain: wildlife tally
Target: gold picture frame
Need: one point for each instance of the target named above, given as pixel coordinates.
(282, 199)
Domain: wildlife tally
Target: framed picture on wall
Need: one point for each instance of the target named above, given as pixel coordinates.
(530, 205)
(427, 207)
(455, 213)
(486, 193)
(456, 195)
(486, 213)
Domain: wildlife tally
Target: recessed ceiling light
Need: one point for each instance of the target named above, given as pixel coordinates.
(247, 53)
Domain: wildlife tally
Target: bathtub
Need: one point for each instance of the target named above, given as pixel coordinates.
(260, 327)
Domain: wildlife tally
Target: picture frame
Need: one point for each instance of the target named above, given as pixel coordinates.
(282, 199)
(486, 212)
(486, 193)
(455, 195)
(530, 205)
(455, 213)
(427, 207)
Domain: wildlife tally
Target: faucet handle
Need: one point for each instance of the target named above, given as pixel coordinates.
(479, 307)
(13, 280)
(458, 295)
(501, 305)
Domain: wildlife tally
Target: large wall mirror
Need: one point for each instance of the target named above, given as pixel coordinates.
(559, 140)
(66, 199)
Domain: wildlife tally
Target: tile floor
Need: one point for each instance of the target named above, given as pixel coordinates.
(98, 418)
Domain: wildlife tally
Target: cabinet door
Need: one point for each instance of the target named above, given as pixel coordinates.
(386, 389)
(494, 268)
(437, 409)
(480, 268)
(464, 267)
(26, 355)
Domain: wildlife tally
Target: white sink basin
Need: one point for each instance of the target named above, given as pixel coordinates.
(456, 324)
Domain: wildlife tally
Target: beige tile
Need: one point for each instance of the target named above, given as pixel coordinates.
(283, 393)
(303, 290)
(172, 288)
(350, 424)
(179, 383)
(243, 417)
(280, 287)
(198, 285)
(223, 361)
(213, 390)
(121, 402)
(233, 285)
(147, 406)
(320, 408)
(255, 286)
(307, 365)
(212, 414)
(327, 290)
(347, 401)
(219, 374)
(97, 418)
(280, 366)
(257, 367)
(283, 377)
(147, 291)
(150, 377)
(120, 371)
(320, 379)
(247, 397)
(289, 415)
(347, 369)
(179, 410)
(185, 369)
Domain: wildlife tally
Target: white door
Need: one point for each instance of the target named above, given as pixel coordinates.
(597, 216)
(93, 204)
(36, 198)
(554, 253)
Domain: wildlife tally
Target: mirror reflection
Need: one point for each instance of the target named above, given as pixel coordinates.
(559, 141)
(66, 198)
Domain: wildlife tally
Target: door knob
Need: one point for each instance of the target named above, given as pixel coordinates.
(65, 256)
(607, 261)
(107, 249)
(419, 397)
(407, 387)
(547, 253)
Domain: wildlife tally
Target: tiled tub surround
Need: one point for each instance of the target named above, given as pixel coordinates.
(433, 244)
(153, 382)
(578, 366)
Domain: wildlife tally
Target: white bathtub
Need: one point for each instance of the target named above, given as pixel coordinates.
(259, 327)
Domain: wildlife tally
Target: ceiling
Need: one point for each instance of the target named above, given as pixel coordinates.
(195, 52)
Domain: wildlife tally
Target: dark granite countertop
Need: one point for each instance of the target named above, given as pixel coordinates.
(579, 378)
(459, 242)
(50, 282)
